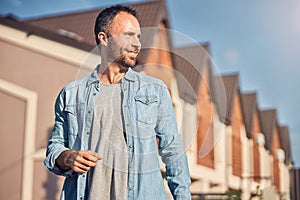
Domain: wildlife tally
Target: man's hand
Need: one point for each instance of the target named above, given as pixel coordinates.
(79, 161)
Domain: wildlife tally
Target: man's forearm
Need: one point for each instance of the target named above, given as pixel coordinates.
(178, 177)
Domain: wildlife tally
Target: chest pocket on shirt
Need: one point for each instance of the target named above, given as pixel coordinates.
(74, 116)
(146, 108)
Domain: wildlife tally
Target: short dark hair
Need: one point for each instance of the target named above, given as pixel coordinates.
(106, 16)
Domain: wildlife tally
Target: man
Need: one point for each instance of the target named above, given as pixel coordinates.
(109, 125)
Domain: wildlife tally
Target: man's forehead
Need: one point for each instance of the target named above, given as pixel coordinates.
(124, 22)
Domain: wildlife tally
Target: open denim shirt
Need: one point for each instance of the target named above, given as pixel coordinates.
(148, 115)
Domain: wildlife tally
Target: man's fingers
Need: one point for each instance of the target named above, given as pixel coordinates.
(92, 156)
(78, 170)
(85, 158)
(82, 161)
(86, 162)
(78, 167)
(97, 156)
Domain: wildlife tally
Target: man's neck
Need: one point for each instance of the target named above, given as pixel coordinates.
(112, 74)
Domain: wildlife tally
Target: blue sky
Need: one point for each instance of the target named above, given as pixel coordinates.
(258, 39)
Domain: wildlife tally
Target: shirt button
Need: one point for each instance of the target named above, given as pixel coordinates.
(125, 106)
(124, 88)
(130, 146)
(128, 124)
(81, 198)
(89, 111)
(94, 94)
(131, 188)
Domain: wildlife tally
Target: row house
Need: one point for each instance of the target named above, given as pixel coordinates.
(238, 163)
(232, 146)
(276, 142)
(259, 154)
(229, 146)
(201, 127)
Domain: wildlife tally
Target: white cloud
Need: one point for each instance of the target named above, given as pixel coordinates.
(16, 3)
(232, 56)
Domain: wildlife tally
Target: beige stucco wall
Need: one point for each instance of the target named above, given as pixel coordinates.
(12, 120)
(39, 73)
(31, 65)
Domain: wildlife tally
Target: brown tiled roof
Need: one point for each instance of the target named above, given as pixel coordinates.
(286, 144)
(29, 29)
(267, 124)
(189, 64)
(79, 26)
(79, 23)
(231, 86)
(82, 23)
(249, 103)
(219, 96)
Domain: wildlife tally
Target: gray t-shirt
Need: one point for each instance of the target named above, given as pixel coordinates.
(108, 180)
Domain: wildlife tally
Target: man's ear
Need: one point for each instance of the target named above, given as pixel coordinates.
(103, 38)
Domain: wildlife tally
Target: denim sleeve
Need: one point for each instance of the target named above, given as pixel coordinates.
(58, 138)
(171, 149)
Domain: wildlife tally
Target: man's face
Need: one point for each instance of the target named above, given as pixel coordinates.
(124, 41)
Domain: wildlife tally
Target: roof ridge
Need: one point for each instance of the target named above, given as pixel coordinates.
(249, 105)
(234, 74)
(87, 10)
(30, 29)
(268, 119)
(230, 80)
(250, 93)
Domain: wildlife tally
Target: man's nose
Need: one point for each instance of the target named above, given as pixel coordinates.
(136, 43)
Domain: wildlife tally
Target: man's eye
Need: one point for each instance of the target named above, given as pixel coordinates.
(130, 34)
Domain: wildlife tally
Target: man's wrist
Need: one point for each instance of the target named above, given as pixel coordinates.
(69, 158)
(65, 160)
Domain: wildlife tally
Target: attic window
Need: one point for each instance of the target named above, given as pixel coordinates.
(70, 34)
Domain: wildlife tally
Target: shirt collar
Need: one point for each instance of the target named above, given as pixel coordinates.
(130, 75)
(94, 76)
